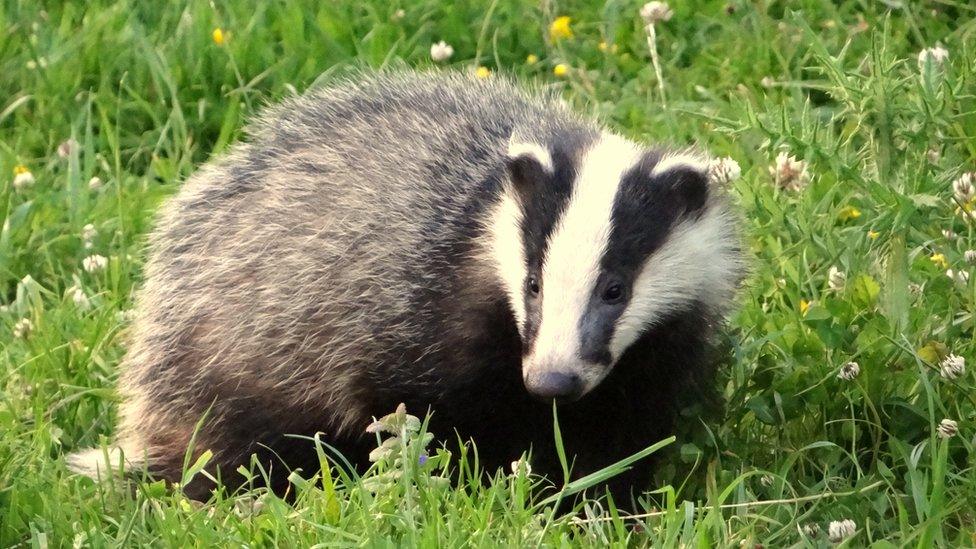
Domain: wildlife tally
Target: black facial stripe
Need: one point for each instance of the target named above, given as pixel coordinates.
(596, 330)
(599, 320)
(543, 205)
(645, 211)
(542, 208)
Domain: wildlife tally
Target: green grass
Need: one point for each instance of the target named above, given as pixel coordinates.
(149, 96)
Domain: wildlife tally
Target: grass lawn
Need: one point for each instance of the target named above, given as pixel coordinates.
(858, 246)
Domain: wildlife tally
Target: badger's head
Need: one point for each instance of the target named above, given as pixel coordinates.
(597, 240)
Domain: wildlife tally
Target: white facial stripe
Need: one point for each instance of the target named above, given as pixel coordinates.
(690, 160)
(508, 251)
(698, 261)
(531, 150)
(576, 246)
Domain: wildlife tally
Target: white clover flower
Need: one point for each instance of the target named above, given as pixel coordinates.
(399, 14)
(65, 149)
(839, 530)
(948, 428)
(95, 183)
(125, 316)
(933, 155)
(767, 82)
(789, 173)
(653, 12)
(849, 371)
(23, 178)
(952, 366)
(959, 277)
(94, 263)
(78, 296)
(970, 256)
(441, 51)
(23, 327)
(723, 170)
(521, 465)
(949, 234)
(248, 507)
(836, 279)
(964, 187)
(88, 232)
(937, 55)
(33, 65)
(811, 530)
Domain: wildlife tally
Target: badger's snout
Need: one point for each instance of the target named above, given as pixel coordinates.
(559, 385)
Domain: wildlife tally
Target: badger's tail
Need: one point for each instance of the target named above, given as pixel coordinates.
(99, 463)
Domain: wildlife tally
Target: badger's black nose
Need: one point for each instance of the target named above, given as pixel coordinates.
(561, 386)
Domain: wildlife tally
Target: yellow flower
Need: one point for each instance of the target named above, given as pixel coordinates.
(560, 29)
(804, 307)
(218, 36)
(604, 47)
(847, 213)
(932, 352)
(23, 178)
(560, 70)
(532, 59)
(967, 210)
(873, 235)
(940, 261)
(482, 72)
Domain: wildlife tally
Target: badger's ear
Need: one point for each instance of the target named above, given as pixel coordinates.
(685, 177)
(528, 165)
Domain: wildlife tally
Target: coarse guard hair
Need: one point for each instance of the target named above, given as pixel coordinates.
(456, 244)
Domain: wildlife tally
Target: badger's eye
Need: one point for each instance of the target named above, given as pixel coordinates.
(533, 285)
(613, 293)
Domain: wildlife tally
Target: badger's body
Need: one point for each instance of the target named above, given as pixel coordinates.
(436, 240)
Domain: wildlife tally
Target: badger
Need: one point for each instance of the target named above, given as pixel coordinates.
(464, 246)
